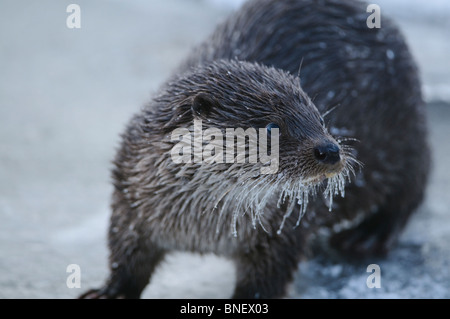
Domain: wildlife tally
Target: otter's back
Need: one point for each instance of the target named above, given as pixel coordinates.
(369, 74)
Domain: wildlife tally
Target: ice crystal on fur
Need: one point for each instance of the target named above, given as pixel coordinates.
(252, 192)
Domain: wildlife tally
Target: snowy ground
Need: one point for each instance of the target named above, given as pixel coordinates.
(65, 96)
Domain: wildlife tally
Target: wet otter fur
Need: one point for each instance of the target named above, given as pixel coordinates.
(371, 147)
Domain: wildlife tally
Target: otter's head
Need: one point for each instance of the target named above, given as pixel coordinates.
(262, 102)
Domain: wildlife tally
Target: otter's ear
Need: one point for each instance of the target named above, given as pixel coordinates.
(203, 104)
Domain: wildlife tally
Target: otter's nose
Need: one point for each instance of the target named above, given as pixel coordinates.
(327, 153)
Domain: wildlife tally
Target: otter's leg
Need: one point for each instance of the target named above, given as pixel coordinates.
(130, 274)
(377, 233)
(132, 259)
(374, 236)
(264, 271)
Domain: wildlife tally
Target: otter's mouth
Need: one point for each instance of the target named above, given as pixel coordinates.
(319, 179)
(250, 193)
(315, 180)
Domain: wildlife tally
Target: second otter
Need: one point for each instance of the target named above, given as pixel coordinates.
(241, 77)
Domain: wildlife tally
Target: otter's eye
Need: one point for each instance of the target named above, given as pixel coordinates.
(271, 126)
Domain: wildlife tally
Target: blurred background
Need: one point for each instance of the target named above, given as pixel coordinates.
(65, 97)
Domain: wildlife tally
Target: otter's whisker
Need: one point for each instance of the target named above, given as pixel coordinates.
(330, 110)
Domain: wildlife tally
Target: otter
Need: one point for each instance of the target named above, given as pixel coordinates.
(344, 101)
